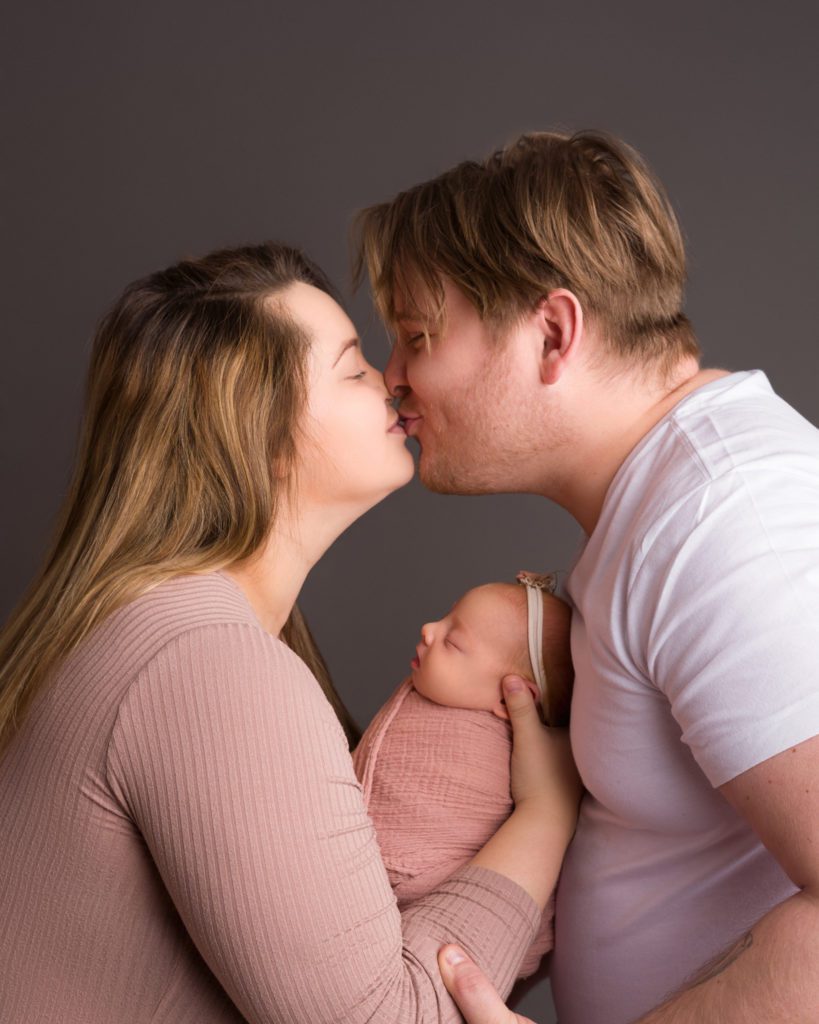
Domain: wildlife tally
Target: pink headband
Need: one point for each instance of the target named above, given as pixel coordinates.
(535, 583)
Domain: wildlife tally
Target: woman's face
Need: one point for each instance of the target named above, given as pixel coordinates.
(355, 452)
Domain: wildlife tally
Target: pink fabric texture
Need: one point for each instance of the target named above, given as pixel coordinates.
(436, 784)
(183, 840)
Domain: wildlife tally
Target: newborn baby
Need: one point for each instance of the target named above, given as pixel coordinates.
(434, 762)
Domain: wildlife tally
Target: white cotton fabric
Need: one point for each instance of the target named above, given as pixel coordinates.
(695, 639)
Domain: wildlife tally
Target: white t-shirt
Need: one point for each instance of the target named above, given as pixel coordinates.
(695, 640)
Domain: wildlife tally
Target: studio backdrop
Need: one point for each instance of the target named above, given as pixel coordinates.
(137, 134)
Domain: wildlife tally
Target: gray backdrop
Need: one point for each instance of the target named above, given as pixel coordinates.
(136, 134)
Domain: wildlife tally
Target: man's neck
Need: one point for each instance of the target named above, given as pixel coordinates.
(623, 416)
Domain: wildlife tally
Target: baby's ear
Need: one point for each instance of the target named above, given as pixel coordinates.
(499, 707)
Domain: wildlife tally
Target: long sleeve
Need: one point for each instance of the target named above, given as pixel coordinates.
(230, 762)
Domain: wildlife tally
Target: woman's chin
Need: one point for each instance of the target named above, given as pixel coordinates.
(397, 481)
(409, 471)
(404, 473)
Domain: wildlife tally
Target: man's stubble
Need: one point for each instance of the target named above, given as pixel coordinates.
(487, 438)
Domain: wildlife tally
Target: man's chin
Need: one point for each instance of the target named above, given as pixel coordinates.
(446, 479)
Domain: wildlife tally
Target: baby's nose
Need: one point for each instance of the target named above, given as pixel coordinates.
(426, 633)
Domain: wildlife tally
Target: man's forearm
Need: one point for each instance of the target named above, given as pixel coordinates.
(770, 975)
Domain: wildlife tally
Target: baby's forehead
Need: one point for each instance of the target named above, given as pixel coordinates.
(501, 604)
(506, 605)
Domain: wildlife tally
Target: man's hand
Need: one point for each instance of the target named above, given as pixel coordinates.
(473, 991)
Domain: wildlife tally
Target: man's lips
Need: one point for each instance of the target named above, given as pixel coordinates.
(410, 423)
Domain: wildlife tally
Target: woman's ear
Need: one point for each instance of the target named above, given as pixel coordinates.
(499, 707)
(560, 319)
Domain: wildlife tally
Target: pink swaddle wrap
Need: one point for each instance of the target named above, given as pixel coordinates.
(436, 784)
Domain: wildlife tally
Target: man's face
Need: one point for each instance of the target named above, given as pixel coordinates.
(467, 399)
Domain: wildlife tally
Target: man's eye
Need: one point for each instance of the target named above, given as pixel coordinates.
(414, 339)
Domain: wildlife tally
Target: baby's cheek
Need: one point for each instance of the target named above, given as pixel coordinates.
(463, 686)
(434, 686)
(487, 693)
(479, 687)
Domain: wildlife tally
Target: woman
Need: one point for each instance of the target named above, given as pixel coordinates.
(182, 836)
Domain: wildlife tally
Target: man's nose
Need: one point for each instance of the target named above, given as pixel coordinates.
(395, 373)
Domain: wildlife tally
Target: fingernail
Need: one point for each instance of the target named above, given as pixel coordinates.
(513, 685)
(454, 957)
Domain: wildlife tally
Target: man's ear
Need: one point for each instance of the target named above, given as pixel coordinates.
(499, 707)
(560, 320)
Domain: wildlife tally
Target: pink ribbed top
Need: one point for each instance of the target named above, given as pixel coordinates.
(183, 839)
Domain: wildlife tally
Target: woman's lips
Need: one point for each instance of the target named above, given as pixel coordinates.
(397, 428)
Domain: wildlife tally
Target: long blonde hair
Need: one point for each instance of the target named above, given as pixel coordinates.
(194, 395)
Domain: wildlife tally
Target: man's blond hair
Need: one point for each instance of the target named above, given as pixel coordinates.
(552, 210)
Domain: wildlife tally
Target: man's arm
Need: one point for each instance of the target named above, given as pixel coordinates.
(771, 974)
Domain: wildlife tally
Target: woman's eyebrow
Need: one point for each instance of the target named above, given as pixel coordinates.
(351, 343)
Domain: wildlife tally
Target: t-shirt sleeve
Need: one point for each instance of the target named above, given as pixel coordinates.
(234, 768)
(731, 616)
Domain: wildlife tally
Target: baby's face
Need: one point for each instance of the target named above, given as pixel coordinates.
(462, 657)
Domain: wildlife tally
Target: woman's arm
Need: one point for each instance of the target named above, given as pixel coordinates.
(231, 763)
(543, 789)
(529, 847)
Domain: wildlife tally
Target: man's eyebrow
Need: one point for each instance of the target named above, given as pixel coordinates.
(351, 343)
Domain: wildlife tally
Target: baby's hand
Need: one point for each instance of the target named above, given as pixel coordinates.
(543, 771)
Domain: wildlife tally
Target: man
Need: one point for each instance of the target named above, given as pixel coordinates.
(541, 347)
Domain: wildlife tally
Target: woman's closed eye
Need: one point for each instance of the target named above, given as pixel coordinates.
(358, 376)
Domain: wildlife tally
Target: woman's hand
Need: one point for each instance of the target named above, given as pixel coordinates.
(529, 846)
(473, 991)
(543, 771)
